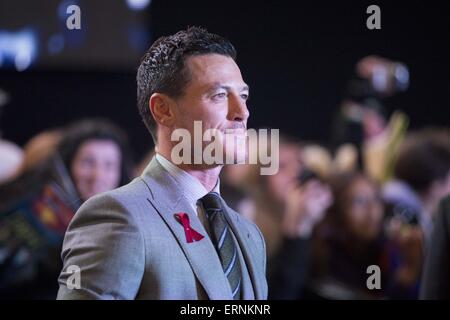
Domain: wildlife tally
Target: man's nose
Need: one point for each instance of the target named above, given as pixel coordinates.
(237, 109)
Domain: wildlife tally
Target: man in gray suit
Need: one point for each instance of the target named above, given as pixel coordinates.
(168, 234)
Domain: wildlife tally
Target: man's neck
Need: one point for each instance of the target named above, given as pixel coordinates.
(207, 176)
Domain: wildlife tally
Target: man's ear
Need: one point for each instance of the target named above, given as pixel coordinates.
(161, 108)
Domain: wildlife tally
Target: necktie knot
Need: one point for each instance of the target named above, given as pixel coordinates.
(211, 202)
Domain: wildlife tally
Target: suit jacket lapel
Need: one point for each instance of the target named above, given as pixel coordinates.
(249, 252)
(167, 199)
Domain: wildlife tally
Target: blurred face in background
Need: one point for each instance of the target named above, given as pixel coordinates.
(363, 209)
(288, 174)
(96, 167)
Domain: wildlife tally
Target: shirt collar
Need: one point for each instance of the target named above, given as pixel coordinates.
(193, 189)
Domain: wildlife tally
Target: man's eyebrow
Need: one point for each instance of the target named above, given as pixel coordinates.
(220, 86)
(246, 87)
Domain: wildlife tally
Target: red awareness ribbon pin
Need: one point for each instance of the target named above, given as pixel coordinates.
(191, 234)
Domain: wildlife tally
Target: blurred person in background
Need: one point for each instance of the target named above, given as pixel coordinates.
(40, 148)
(421, 179)
(91, 157)
(97, 154)
(11, 155)
(352, 238)
(286, 207)
(363, 119)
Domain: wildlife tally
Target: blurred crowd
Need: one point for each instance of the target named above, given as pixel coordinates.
(368, 197)
(324, 228)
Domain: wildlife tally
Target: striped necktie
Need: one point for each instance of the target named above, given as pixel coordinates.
(223, 241)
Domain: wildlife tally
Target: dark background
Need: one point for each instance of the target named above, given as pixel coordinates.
(296, 57)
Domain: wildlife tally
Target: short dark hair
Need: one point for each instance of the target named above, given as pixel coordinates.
(84, 130)
(162, 68)
(424, 158)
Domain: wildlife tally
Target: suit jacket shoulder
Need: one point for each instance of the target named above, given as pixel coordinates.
(105, 244)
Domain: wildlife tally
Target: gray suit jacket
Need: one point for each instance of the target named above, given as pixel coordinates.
(436, 275)
(127, 244)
